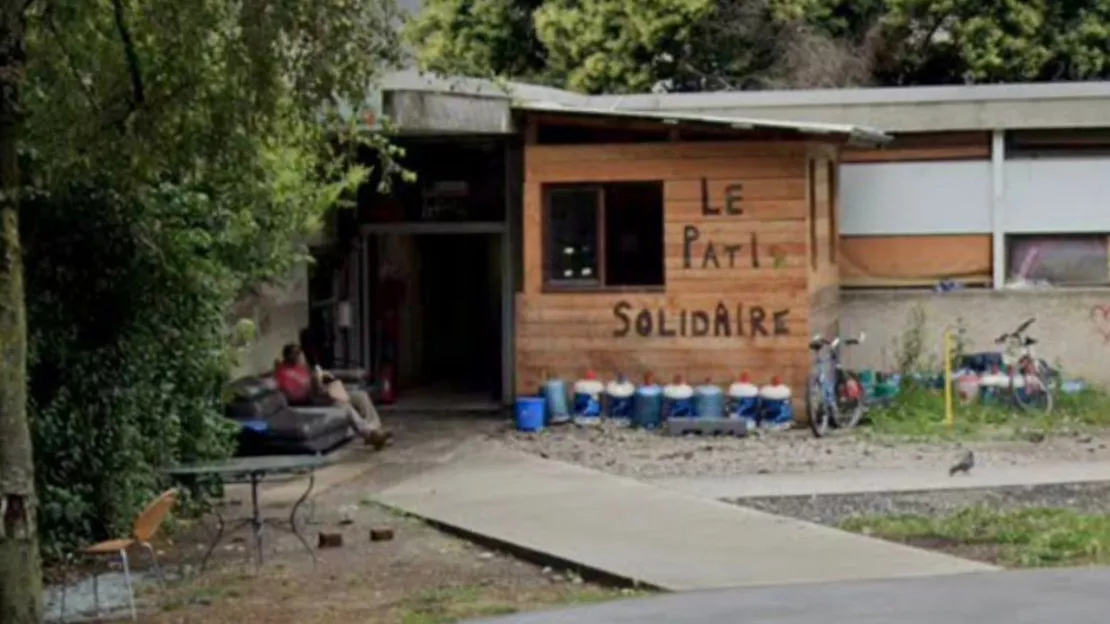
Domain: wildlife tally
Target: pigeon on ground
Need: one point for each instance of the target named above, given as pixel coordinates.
(966, 463)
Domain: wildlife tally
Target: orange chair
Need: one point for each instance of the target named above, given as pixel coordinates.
(146, 525)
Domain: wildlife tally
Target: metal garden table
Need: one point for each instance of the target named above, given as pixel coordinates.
(254, 471)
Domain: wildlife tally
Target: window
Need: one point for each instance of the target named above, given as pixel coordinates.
(834, 182)
(601, 236)
(813, 213)
(1059, 259)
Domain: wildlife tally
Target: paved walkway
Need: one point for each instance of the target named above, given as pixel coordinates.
(864, 481)
(1076, 596)
(669, 539)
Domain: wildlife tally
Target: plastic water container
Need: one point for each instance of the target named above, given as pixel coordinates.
(555, 394)
(709, 401)
(867, 380)
(992, 385)
(587, 399)
(775, 409)
(647, 405)
(678, 399)
(743, 401)
(618, 394)
(967, 385)
(1074, 386)
(529, 413)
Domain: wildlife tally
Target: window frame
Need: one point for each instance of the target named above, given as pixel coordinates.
(1017, 237)
(833, 173)
(552, 284)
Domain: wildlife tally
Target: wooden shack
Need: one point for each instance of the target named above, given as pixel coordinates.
(676, 244)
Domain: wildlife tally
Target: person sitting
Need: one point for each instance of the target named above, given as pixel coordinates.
(302, 386)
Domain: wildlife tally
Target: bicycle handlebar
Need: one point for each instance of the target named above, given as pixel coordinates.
(821, 341)
(1017, 332)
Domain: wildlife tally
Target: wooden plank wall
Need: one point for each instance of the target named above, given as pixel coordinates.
(824, 279)
(567, 333)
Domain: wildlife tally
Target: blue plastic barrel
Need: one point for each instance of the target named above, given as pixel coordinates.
(554, 392)
(709, 401)
(529, 413)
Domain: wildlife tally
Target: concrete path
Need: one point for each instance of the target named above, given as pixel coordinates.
(1076, 596)
(661, 537)
(864, 481)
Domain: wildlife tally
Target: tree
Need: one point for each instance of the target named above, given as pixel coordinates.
(944, 41)
(175, 157)
(20, 574)
(616, 46)
(694, 45)
(483, 38)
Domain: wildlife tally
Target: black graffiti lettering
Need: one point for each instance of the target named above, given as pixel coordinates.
(779, 323)
(699, 323)
(721, 326)
(732, 250)
(756, 316)
(710, 256)
(690, 234)
(706, 209)
(734, 194)
(643, 323)
(663, 331)
(721, 321)
(621, 312)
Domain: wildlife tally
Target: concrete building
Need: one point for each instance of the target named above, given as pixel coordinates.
(1000, 189)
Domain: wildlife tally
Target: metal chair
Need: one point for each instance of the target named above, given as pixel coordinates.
(146, 525)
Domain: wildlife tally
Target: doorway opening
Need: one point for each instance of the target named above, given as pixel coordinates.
(436, 302)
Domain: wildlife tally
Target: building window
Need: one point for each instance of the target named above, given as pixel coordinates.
(1059, 259)
(813, 213)
(605, 235)
(834, 183)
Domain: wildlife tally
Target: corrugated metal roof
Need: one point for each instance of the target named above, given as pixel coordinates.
(852, 133)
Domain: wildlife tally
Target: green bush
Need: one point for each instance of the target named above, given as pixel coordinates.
(175, 157)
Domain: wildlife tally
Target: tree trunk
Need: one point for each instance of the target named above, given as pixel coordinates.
(20, 568)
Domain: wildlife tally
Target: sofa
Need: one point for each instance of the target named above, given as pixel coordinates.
(270, 426)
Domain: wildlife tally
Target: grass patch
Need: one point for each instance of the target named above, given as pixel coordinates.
(1027, 538)
(444, 606)
(918, 414)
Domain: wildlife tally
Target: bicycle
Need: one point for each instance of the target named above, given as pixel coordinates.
(1030, 378)
(835, 400)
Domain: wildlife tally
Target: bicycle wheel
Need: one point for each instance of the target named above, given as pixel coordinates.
(1035, 395)
(816, 409)
(849, 401)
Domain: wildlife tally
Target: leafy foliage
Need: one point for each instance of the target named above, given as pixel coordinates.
(176, 160)
(610, 45)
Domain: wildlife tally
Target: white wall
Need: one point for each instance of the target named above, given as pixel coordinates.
(279, 314)
(1061, 194)
(915, 198)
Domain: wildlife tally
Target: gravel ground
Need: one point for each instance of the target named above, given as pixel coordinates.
(831, 509)
(645, 455)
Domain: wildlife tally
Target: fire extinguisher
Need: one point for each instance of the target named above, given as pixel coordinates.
(387, 385)
(391, 295)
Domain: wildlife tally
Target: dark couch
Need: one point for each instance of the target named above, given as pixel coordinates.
(270, 426)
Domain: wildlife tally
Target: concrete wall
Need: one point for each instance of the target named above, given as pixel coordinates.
(279, 314)
(1073, 326)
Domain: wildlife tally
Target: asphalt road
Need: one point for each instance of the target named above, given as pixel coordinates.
(1072, 596)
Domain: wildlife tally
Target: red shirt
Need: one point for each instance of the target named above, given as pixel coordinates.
(294, 381)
